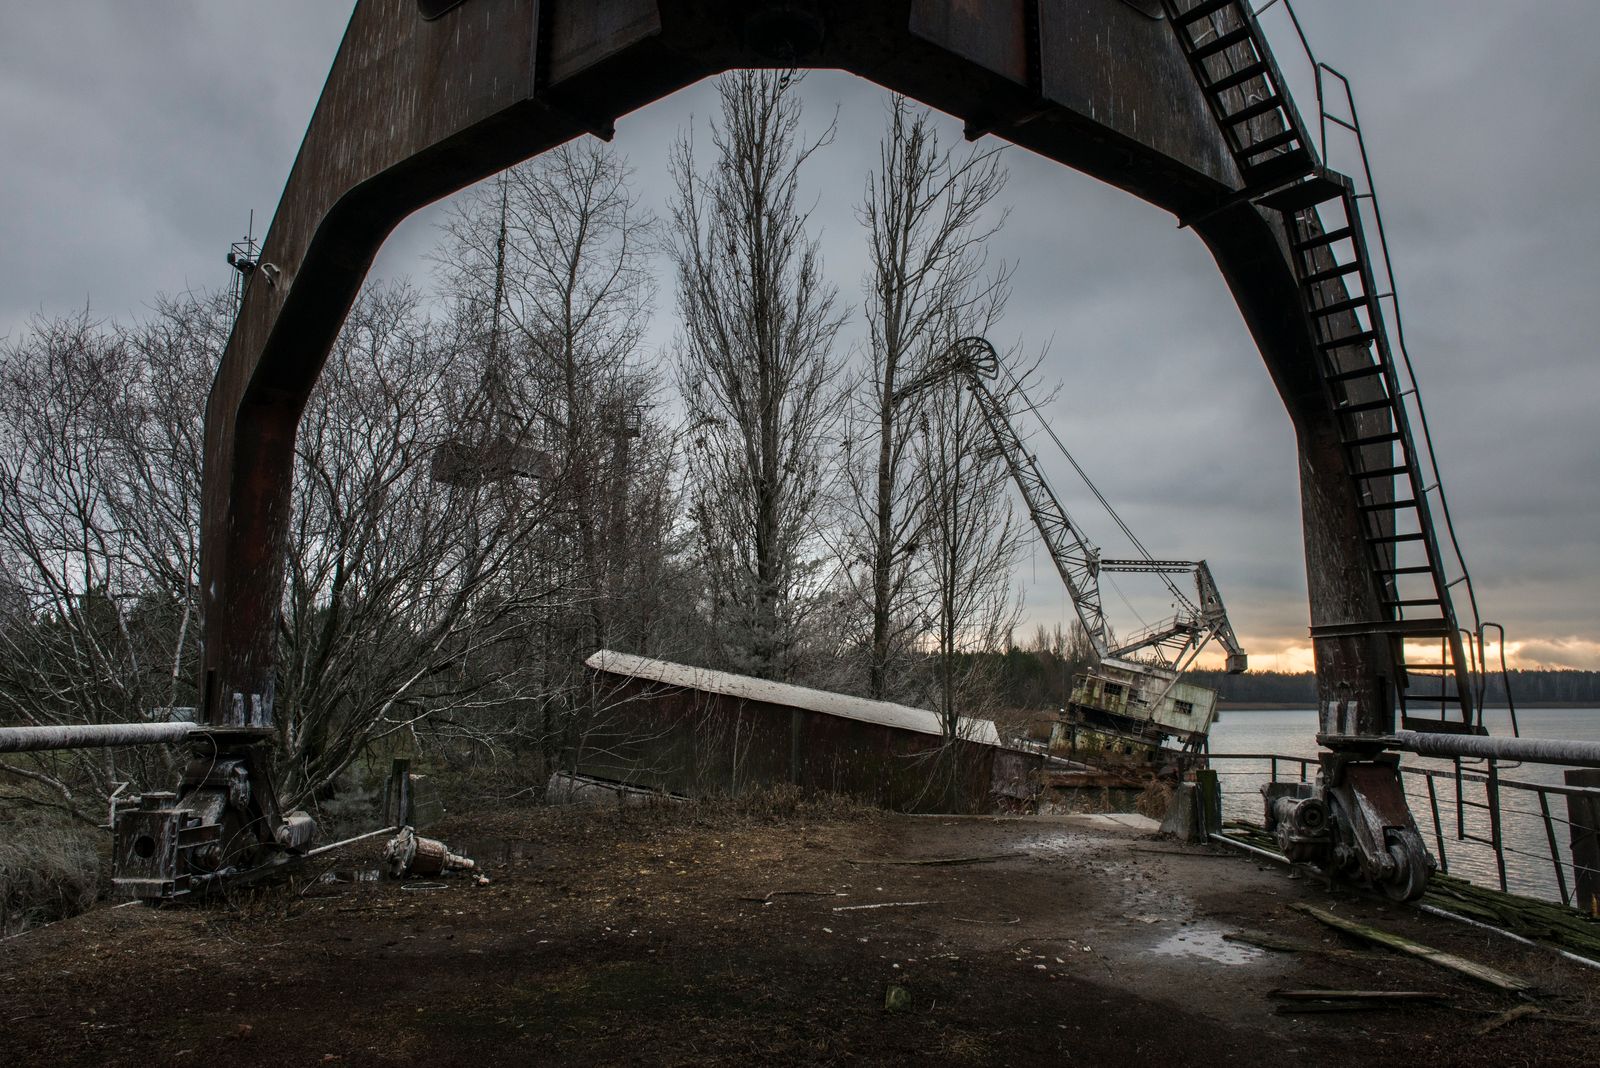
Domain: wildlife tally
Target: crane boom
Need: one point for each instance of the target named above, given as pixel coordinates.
(1077, 561)
(1177, 641)
(1134, 688)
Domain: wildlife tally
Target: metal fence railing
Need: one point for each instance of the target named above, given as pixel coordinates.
(1482, 825)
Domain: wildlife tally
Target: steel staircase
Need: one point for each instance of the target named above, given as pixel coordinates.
(1373, 395)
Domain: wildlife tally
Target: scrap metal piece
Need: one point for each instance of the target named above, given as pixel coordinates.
(223, 821)
(297, 831)
(1299, 819)
(1377, 835)
(155, 848)
(408, 854)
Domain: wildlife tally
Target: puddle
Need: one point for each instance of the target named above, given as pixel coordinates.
(1056, 844)
(1205, 943)
(349, 875)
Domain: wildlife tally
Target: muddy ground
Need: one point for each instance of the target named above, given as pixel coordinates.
(699, 937)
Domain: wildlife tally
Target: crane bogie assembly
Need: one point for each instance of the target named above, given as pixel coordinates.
(1132, 704)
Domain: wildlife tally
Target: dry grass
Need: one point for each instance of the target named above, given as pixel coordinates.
(1154, 800)
(48, 870)
(771, 805)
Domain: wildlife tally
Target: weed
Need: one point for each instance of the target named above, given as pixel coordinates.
(1154, 800)
(49, 870)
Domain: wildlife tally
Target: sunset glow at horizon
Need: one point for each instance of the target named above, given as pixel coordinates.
(1294, 655)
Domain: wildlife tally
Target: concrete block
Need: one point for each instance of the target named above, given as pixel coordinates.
(1183, 814)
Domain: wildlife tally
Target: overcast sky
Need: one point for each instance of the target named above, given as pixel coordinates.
(136, 138)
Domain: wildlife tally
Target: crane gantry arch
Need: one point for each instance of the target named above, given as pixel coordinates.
(1177, 102)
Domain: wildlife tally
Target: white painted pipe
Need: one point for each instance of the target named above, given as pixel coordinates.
(91, 735)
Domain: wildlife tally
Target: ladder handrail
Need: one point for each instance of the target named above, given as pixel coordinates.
(1250, 51)
(1427, 454)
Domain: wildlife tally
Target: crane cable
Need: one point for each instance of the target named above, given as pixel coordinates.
(1016, 387)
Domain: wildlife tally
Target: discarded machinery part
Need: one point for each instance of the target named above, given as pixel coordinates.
(1352, 822)
(297, 831)
(91, 735)
(154, 848)
(1412, 865)
(1299, 820)
(408, 853)
(222, 824)
(1372, 828)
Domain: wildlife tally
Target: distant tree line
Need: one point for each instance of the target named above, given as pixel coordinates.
(1036, 676)
(1297, 690)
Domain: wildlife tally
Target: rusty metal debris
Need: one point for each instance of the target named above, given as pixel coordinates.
(408, 854)
(1353, 821)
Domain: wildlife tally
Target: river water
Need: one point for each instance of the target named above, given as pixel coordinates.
(1292, 732)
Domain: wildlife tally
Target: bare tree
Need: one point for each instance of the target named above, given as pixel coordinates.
(100, 434)
(552, 263)
(400, 591)
(974, 540)
(394, 600)
(756, 372)
(926, 211)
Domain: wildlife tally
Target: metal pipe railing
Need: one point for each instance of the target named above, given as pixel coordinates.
(1497, 808)
(1529, 750)
(91, 736)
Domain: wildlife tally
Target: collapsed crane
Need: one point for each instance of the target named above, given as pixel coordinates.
(1132, 702)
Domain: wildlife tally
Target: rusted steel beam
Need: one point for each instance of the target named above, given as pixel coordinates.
(91, 736)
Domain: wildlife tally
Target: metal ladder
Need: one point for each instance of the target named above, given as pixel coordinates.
(1371, 392)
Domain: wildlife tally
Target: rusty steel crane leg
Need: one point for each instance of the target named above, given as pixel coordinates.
(426, 97)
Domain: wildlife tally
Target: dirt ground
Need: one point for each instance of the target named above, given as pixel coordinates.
(693, 938)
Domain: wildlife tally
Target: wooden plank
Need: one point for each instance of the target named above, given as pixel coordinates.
(1400, 944)
(1516, 1012)
(1360, 995)
(1284, 945)
(1543, 921)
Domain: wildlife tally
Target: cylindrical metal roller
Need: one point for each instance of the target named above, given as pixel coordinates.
(91, 735)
